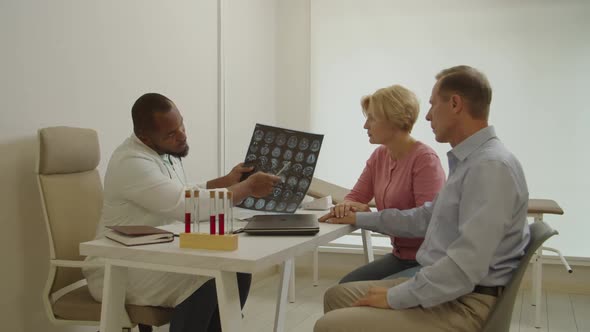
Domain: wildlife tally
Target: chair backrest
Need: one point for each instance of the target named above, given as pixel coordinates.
(320, 188)
(71, 193)
(500, 316)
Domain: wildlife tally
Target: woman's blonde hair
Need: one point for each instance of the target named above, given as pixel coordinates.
(394, 104)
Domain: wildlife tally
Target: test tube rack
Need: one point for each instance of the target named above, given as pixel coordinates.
(228, 242)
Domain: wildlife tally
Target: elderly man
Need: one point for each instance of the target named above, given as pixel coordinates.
(144, 185)
(475, 230)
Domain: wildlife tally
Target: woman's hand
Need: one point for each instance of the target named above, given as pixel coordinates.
(343, 209)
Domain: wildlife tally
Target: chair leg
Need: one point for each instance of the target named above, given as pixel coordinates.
(144, 328)
(315, 267)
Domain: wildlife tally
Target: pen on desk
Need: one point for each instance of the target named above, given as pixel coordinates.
(284, 168)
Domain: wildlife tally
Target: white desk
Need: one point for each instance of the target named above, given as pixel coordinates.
(254, 254)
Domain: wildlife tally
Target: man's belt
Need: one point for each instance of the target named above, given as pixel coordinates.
(489, 290)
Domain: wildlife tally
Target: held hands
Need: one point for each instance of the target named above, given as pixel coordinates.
(344, 213)
(376, 297)
(261, 184)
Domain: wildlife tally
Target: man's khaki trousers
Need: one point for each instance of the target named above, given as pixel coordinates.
(467, 313)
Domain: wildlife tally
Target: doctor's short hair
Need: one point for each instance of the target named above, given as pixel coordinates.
(144, 108)
(394, 104)
(470, 84)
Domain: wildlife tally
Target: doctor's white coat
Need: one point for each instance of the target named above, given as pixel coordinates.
(144, 188)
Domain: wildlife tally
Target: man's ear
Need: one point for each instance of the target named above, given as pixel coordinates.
(457, 103)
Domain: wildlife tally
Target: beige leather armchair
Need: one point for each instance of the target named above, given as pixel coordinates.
(71, 197)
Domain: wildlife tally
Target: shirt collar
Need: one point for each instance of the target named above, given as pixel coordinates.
(136, 140)
(472, 143)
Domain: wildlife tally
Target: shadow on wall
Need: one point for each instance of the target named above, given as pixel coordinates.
(24, 239)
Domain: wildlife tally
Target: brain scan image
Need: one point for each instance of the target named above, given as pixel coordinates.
(298, 196)
(299, 156)
(258, 135)
(303, 184)
(281, 206)
(291, 207)
(276, 192)
(260, 204)
(292, 142)
(281, 139)
(264, 150)
(287, 195)
(303, 144)
(254, 147)
(288, 155)
(276, 152)
(315, 146)
(296, 169)
(249, 202)
(291, 182)
(271, 205)
(274, 163)
(270, 137)
(292, 155)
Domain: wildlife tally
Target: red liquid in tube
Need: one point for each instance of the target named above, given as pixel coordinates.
(221, 224)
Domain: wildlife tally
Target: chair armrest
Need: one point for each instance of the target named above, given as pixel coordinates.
(73, 264)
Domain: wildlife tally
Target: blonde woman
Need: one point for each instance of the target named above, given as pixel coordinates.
(402, 173)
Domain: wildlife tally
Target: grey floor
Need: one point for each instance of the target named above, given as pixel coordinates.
(562, 312)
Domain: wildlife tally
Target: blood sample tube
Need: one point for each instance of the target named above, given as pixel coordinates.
(212, 212)
(221, 213)
(187, 211)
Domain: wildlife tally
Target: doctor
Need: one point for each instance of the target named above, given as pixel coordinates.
(144, 185)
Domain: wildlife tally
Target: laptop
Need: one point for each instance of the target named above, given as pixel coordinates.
(283, 224)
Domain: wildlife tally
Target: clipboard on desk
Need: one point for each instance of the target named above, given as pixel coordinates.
(283, 224)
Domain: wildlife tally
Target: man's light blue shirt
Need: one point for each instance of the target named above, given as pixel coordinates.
(475, 230)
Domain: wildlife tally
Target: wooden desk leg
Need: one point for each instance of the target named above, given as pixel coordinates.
(228, 298)
(282, 297)
(113, 314)
(367, 246)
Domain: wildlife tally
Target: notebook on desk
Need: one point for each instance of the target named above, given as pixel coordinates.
(283, 224)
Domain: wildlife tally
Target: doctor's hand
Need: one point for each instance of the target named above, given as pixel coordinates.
(235, 174)
(261, 184)
(376, 297)
(331, 218)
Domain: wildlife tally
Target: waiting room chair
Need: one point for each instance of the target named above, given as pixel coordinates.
(501, 314)
(71, 198)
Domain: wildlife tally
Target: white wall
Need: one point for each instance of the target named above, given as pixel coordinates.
(535, 53)
(249, 73)
(81, 63)
(292, 64)
(266, 69)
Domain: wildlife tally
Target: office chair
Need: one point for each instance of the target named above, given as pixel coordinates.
(499, 318)
(71, 197)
